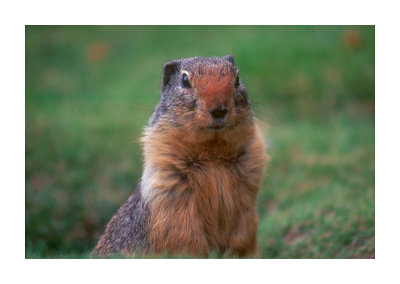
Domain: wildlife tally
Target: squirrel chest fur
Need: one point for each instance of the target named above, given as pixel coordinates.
(204, 160)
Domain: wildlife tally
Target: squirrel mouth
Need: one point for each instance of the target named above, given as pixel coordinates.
(217, 126)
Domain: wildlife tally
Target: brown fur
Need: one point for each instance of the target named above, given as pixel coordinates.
(205, 192)
(200, 182)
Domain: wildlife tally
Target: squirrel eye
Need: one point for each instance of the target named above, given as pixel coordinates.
(237, 82)
(185, 81)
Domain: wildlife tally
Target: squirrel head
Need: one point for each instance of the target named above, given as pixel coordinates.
(203, 93)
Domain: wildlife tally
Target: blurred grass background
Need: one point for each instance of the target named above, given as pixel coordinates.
(90, 91)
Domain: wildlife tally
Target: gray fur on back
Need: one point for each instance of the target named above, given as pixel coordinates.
(127, 231)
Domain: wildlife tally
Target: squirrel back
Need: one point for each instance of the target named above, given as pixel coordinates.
(204, 160)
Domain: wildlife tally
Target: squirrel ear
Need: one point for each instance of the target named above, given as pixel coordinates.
(169, 69)
(229, 58)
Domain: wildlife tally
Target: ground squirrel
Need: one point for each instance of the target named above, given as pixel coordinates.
(204, 160)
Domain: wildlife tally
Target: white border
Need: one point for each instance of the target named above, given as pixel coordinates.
(12, 112)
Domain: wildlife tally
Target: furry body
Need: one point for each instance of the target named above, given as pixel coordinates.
(202, 172)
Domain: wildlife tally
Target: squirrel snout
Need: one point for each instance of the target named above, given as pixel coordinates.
(218, 112)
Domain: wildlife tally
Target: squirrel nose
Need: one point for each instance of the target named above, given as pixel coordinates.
(219, 112)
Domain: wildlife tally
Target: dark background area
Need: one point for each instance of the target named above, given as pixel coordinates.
(91, 90)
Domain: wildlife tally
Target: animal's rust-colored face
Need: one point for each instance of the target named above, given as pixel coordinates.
(213, 86)
(204, 93)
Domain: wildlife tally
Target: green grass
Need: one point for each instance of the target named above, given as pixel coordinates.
(91, 90)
